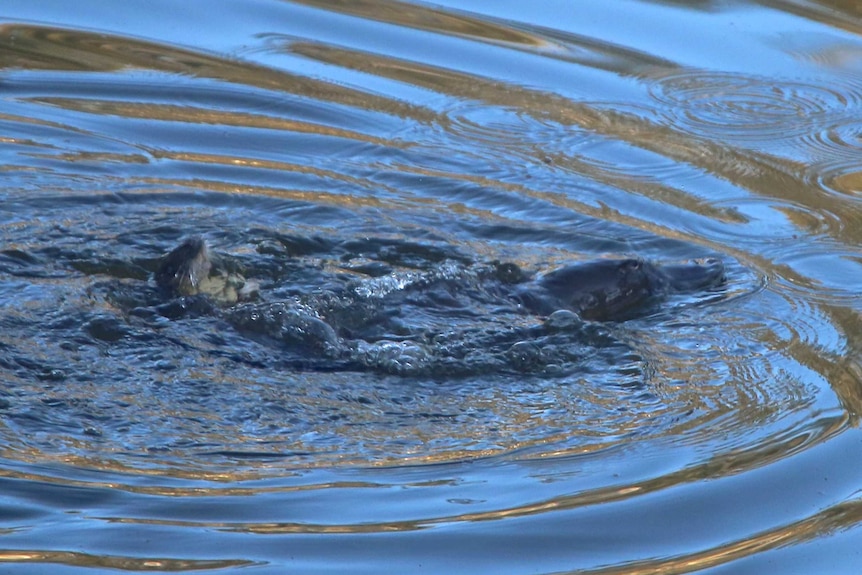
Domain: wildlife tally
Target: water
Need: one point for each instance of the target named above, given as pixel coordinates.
(311, 141)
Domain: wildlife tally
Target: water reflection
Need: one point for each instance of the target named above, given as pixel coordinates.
(749, 110)
(311, 139)
(91, 561)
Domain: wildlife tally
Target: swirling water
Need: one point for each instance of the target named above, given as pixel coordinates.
(716, 433)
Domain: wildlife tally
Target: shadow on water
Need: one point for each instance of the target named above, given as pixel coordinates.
(380, 168)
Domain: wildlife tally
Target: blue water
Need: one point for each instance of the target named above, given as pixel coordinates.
(716, 432)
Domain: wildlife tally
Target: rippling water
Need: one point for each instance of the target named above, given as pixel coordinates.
(307, 140)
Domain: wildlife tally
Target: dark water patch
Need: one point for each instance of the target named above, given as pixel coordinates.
(156, 382)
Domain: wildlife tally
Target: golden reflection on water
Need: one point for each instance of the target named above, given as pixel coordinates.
(636, 130)
(823, 523)
(762, 173)
(426, 18)
(532, 39)
(88, 560)
(175, 113)
(679, 131)
(768, 176)
(723, 465)
(755, 170)
(36, 48)
(841, 14)
(849, 183)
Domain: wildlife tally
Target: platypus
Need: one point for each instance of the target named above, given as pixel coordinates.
(609, 289)
(599, 290)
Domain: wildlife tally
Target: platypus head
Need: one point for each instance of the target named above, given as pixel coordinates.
(605, 289)
(190, 269)
(610, 289)
(184, 269)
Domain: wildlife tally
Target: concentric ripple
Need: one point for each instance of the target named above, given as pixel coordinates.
(751, 108)
(835, 153)
(318, 145)
(94, 378)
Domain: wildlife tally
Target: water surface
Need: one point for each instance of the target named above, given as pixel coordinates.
(313, 141)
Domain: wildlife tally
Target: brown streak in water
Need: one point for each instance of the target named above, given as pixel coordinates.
(843, 373)
(101, 157)
(841, 14)
(514, 36)
(173, 113)
(233, 479)
(41, 48)
(425, 18)
(89, 560)
(322, 197)
(649, 189)
(838, 517)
